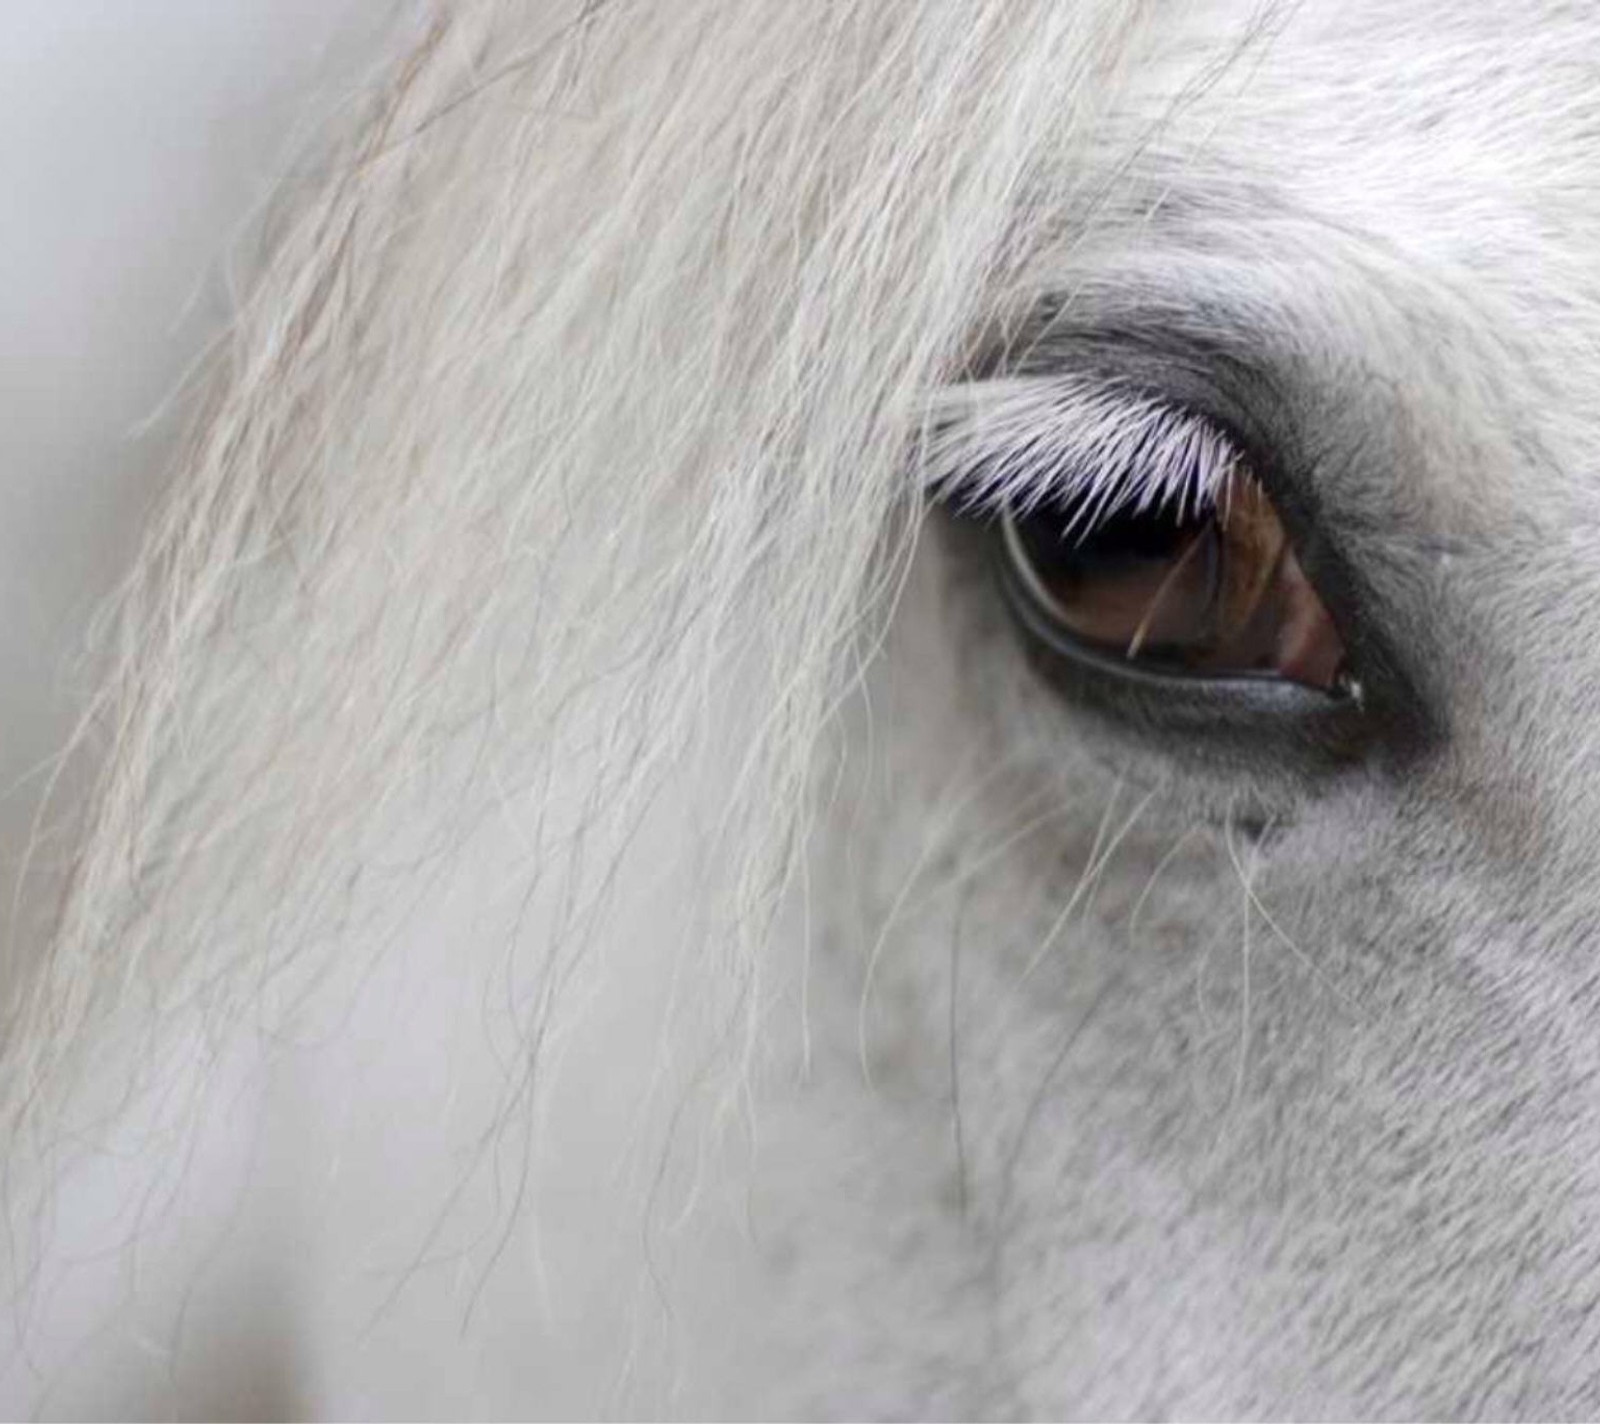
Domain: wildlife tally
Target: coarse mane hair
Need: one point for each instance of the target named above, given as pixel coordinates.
(542, 387)
(609, 324)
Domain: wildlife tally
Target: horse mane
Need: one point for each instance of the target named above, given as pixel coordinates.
(561, 464)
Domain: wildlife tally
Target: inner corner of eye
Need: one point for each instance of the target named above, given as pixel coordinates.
(1208, 587)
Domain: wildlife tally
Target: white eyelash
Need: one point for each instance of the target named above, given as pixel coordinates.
(1096, 445)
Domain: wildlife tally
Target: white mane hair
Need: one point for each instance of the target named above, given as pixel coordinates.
(516, 951)
(609, 325)
(593, 339)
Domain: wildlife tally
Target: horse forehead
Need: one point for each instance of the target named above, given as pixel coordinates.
(1462, 134)
(1397, 166)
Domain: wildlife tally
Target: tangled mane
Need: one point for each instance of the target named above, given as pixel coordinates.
(563, 451)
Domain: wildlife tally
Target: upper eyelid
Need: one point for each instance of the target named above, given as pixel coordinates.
(1092, 441)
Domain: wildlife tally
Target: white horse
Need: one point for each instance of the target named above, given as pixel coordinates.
(880, 707)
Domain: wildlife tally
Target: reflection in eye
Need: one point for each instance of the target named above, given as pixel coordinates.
(1215, 592)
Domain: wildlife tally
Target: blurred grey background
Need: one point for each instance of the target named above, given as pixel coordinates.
(139, 142)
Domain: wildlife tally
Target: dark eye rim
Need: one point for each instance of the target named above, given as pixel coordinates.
(1029, 604)
(1236, 721)
(1245, 716)
(1262, 689)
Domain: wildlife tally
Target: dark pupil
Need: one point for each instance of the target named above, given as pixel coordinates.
(1141, 582)
(1214, 590)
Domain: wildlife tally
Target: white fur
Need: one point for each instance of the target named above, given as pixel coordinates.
(583, 908)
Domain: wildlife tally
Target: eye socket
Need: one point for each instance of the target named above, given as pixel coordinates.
(1212, 592)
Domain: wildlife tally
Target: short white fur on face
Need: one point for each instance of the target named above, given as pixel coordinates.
(586, 906)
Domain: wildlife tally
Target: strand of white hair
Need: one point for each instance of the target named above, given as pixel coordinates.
(544, 502)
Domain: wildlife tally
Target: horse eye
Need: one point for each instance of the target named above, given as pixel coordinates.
(1214, 592)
